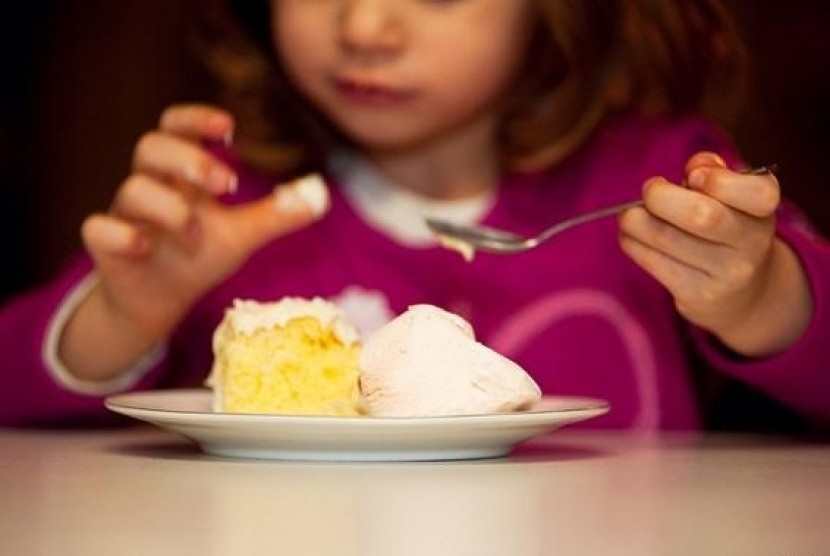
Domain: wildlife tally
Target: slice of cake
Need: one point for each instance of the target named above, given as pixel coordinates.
(292, 356)
(427, 362)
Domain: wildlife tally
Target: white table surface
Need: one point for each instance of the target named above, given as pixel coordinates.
(143, 491)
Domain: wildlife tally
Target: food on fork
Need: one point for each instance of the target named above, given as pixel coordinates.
(427, 362)
(303, 357)
(293, 356)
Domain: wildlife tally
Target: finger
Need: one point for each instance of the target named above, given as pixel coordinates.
(168, 157)
(677, 277)
(291, 206)
(142, 198)
(704, 159)
(693, 212)
(198, 122)
(108, 237)
(703, 215)
(756, 195)
(656, 234)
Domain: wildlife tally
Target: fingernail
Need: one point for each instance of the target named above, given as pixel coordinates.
(227, 139)
(716, 158)
(221, 180)
(307, 193)
(696, 178)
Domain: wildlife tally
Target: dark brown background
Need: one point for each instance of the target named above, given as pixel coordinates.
(85, 78)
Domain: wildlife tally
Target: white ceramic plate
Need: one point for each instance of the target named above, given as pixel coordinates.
(288, 437)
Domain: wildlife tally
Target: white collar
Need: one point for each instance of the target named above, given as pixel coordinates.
(396, 212)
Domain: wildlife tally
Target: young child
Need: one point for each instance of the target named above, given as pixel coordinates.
(512, 114)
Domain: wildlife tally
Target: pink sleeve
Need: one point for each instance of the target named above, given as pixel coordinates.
(29, 395)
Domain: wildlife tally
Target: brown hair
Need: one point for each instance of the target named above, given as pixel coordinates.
(587, 60)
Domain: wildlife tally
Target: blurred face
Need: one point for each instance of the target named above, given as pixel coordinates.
(400, 74)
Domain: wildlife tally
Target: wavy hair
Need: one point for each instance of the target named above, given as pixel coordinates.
(586, 61)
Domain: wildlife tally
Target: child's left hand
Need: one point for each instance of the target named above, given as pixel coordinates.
(712, 244)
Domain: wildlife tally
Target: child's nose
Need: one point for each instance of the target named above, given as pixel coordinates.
(370, 25)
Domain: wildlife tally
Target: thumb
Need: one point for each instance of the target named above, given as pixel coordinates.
(291, 206)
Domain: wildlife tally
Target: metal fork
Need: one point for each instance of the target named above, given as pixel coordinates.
(469, 239)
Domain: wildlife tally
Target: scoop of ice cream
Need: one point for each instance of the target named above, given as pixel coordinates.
(428, 362)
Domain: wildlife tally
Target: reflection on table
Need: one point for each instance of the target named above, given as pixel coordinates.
(144, 491)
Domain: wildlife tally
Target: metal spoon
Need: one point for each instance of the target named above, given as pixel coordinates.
(469, 239)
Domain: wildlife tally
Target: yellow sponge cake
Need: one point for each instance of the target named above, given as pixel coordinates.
(293, 356)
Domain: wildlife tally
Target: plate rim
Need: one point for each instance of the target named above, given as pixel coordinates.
(353, 439)
(125, 404)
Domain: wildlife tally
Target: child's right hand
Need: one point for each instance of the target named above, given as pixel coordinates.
(167, 240)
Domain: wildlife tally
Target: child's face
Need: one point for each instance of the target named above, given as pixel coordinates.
(401, 74)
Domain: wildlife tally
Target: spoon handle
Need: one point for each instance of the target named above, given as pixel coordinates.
(614, 209)
(586, 217)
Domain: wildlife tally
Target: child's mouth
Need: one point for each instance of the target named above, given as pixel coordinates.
(371, 94)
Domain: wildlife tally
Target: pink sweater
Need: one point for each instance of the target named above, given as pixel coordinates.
(577, 314)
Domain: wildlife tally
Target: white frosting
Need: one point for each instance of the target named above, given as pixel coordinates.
(427, 362)
(308, 192)
(246, 316)
(312, 190)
